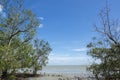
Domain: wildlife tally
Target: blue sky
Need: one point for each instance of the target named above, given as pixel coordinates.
(68, 26)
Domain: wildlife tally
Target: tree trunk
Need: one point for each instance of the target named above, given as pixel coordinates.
(35, 71)
(96, 76)
(4, 74)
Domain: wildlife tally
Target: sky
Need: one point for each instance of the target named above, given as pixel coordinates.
(68, 27)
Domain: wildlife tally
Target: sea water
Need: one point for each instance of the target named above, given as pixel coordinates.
(66, 69)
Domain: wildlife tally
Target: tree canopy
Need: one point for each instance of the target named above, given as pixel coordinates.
(17, 30)
(106, 48)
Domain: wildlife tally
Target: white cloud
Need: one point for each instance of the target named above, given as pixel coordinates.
(1, 7)
(69, 60)
(65, 59)
(40, 26)
(79, 49)
(41, 18)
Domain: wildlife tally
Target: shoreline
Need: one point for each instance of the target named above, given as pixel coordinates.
(59, 77)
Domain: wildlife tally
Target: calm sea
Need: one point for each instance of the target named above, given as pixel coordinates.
(65, 69)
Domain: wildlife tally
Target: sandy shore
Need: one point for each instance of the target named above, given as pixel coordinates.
(59, 77)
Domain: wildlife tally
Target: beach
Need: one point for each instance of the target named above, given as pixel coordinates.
(64, 72)
(59, 77)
